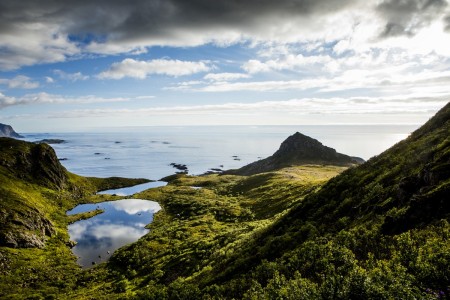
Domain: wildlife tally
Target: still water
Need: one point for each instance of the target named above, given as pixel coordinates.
(127, 191)
(122, 222)
(147, 152)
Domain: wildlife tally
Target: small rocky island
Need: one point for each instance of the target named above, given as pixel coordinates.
(8, 131)
(182, 168)
(52, 141)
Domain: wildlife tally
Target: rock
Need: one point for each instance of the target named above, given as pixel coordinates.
(24, 229)
(181, 167)
(23, 239)
(71, 244)
(35, 163)
(8, 131)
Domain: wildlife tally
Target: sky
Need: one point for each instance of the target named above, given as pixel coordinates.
(87, 64)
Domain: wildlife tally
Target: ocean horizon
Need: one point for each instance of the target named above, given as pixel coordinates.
(147, 152)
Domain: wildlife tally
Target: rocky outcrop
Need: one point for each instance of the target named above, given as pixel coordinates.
(24, 229)
(298, 149)
(8, 131)
(36, 163)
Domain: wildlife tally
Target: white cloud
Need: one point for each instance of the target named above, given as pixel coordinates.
(27, 44)
(263, 86)
(52, 31)
(287, 62)
(141, 69)
(78, 229)
(117, 232)
(225, 76)
(49, 79)
(20, 82)
(71, 76)
(255, 66)
(45, 98)
(305, 106)
(134, 206)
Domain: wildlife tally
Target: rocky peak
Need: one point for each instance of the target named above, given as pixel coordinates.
(8, 131)
(298, 149)
(300, 143)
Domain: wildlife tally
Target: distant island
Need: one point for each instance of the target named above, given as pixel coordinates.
(52, 141)
(8, 131)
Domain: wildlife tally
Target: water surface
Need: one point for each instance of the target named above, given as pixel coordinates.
(127, 191)
(147, 152)
(123, 222)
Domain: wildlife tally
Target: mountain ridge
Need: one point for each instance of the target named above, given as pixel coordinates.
(297, 149)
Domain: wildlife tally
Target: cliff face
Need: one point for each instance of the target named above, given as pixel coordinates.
(8, 131)
(298, 149)
(35, 163)
(27, 169)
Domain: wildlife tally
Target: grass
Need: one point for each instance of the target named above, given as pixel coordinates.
(377, 231)
(35, 193)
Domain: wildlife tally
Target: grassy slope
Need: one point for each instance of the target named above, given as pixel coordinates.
(35, 193)
(388, 218)
(200, 226)
(378, 231)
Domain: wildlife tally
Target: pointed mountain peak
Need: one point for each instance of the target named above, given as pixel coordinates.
(298, 149)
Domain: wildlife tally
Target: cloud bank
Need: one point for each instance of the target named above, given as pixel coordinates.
(45, 98)
(20, 82)
(48, 31)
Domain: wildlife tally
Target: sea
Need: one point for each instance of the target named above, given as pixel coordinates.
(148, 152)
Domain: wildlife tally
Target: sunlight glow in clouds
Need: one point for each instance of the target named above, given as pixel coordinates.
(224, 56)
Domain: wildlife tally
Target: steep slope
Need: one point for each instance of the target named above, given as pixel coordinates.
(376, 231)
(298, 149)
(389, 215)
(8, 131)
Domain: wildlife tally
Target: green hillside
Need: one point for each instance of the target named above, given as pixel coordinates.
(35, 193)
(375, 231)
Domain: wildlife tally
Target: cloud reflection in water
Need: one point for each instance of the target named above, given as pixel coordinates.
(123, 222)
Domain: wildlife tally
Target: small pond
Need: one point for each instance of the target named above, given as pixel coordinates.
(122, 222)
(134, 189)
